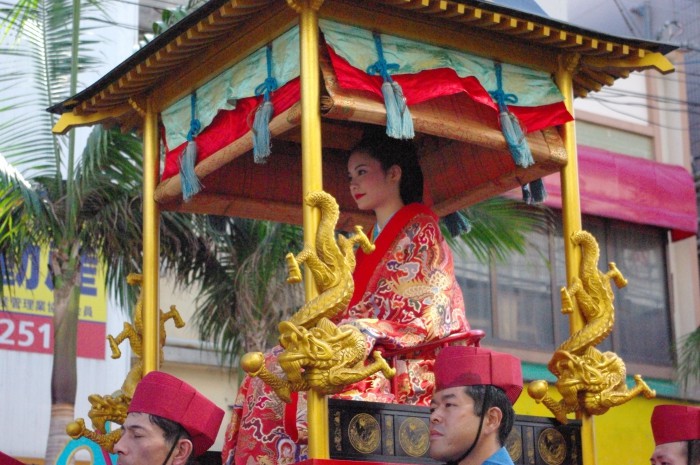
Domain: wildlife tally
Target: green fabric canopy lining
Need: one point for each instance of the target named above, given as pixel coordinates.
(356, 45)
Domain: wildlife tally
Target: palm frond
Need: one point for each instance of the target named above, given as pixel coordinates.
(109, 177)
(23, 207)
(499, 227)
(689, 358)
(15, 18)
(41, 47)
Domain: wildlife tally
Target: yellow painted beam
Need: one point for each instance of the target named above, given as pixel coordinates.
(68, 121)
(648, 61)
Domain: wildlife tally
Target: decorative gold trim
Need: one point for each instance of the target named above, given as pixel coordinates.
(514, 444)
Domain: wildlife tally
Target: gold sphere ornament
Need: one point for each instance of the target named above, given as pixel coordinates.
(75, 429)
(252, 362)
(538, 389)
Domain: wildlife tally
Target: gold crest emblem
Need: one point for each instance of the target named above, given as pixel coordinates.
(414, 437)
(364, 433)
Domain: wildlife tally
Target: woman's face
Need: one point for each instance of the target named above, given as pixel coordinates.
(371, 186)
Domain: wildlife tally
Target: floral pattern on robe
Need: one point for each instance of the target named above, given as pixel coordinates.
(405, 294)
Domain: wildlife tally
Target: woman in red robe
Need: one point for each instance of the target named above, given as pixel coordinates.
(405, 294)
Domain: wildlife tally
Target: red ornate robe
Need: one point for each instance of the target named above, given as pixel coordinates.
(405, 294)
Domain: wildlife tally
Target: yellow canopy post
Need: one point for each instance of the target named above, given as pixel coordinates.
(151, 241)
(312, 180)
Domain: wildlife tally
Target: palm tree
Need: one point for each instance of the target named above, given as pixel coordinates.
(108, 221)
(500, 227)
(65, 202)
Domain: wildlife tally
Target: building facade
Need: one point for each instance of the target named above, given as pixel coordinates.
(635, 149)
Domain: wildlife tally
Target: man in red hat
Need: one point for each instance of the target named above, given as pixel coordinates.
(168, 423)
(472, 408)
(676, 431)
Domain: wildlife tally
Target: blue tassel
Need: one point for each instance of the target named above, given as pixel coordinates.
(393, 116)
(263, 115)
(515, 138)
(188, 178)
(399, 123)
(510, 126)
(456, 224)
(534, 192)
(405, 118)
(261, 132)
(527, 194)
(539, 193)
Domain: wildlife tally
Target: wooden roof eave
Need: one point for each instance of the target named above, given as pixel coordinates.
(251, 36)
(491, 34)
(213, 39)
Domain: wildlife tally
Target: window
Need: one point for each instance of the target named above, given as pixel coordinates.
(615, 140)
(518, 303)
(642, 332)
(523, 289)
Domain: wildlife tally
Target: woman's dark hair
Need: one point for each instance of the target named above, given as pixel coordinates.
(389, 152)
(498, 399)
(172, 431)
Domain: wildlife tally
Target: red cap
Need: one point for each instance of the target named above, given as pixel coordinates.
(7, 460)
(470, 366)
(673, 423)
(164, 395)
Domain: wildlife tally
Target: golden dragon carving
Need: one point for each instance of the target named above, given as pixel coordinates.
(113, 407)
(318, 354)
(588, 380)
(325, 358)
(331, 263)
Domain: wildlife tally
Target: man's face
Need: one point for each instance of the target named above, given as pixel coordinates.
(453, 424)
(142, 442)
(671, 453)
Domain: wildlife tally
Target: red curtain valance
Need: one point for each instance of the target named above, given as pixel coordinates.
(230, 125)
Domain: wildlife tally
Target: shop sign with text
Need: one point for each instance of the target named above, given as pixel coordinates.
(26, 306)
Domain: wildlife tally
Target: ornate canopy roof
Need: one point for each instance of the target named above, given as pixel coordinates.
(222, 33)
